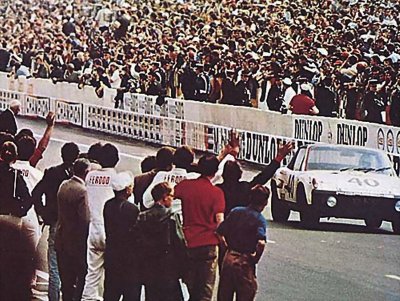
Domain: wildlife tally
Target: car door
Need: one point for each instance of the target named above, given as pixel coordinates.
(289, 176)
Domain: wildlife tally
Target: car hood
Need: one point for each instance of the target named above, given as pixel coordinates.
(357, 183)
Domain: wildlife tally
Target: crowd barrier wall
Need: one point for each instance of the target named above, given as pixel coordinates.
(200, 125)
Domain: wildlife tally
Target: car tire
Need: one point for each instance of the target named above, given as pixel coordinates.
(373, 222)
(279, 210)
(309, 216)
(396, 225)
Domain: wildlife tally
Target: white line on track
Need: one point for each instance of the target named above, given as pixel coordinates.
(393, 277)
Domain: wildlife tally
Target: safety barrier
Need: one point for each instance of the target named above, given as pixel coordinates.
(202, 126)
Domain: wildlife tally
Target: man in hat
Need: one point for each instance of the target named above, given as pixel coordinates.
(374, 103)
(8, 122)
(242, 90)
(121, 266)
(202, 84)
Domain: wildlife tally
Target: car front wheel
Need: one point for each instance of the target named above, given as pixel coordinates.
(279, 210)
(309, 216)
(373, 222)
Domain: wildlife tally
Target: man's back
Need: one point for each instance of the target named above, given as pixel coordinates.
(49, 185)
(99, 191)
(73, 216)
(201, 201)
(7, 122)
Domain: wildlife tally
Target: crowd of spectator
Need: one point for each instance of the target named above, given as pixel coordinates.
(341, 56)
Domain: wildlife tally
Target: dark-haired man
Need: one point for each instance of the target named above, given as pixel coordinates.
(121, 262)
(161, 247)
(72, 231)
(8, 122)
(203, 207)
(244, 232)
(48, 186)
(99, 188)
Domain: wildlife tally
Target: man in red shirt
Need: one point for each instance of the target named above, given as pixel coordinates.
(303, 104)
(203, 207)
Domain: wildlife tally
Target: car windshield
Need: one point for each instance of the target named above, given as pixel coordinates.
(348, 158)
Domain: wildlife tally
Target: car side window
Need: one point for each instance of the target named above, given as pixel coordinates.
(299, 159)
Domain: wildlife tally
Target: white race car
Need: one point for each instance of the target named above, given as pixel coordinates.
(337, 181)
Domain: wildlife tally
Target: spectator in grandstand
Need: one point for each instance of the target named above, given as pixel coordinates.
(8, 122)
(374, 103)
(395, 105)
(302, 103)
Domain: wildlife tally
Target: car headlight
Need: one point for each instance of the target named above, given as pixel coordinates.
(397, 206)
(332, 202)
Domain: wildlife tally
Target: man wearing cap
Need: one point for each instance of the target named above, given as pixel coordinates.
(302, 103)
(202, 84)
(242, 90)
(374, 103)
(8, 122)
(121, 262)
(72, 231)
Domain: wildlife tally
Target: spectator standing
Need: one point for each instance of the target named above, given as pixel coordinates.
(374, 103)
(122, 265)
(30, 224)
(325, 98)
(164, 160)
(302, 103)
(203, 207)
(48, 186)
(228, 88)
(161, 248)
(72, 231)
(16, 250)
(242, 90)
(104, 17)
(4, 56)
(244, 232)
(8, 123)
(202, 84)
(183, 159)
(275, 96)
(395, 106)
(99, 191)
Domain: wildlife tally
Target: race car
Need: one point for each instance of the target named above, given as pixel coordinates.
(337, 181)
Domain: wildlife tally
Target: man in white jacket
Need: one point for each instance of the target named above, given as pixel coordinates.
(99, 189)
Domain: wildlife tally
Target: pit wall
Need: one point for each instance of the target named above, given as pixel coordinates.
(202, 126)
